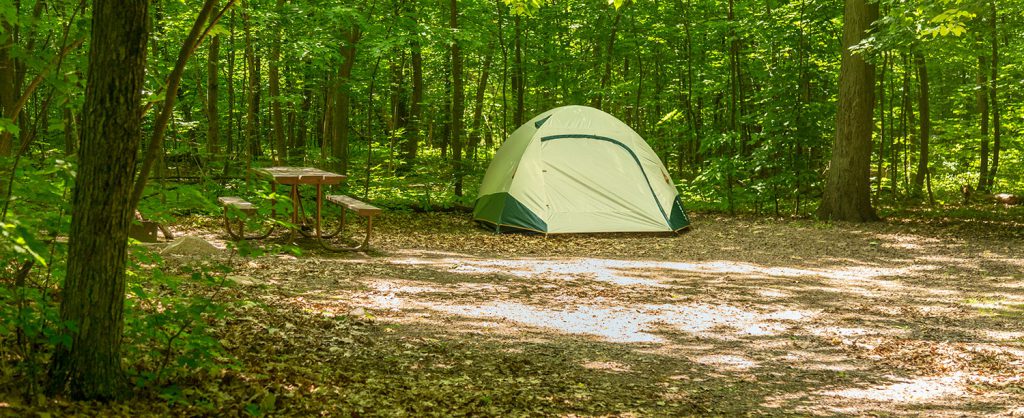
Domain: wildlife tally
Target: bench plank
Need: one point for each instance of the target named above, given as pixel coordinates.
(361, 208)
(237, 203)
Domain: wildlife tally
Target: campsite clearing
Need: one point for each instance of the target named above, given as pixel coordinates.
(738, 316)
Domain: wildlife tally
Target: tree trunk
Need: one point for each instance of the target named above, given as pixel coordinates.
(93, 292)
(342, 103)
(458, 99)
(252, 93)
(8, 90)
(847, 194)
(881, 134)
(280, 146)
(925, 114)
(212, 87)
(231, 92)
(982, 100)
(478, 108)
(606, 76)
(411, 144)
(994, 97)
(518, 116)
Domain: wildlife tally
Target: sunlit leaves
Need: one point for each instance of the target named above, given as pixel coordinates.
(952, 21)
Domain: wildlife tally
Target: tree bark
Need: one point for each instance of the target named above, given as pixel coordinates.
(458, 99)
(252, 109)
(518, 116)
(994, 97)
(231, 93)
(212, 88)
(411, 144)
(478, 108)
(982, 100)
(606, 76)
(847, 193)
(925, 115)
(93, 292)
(342, 102)
(280, 146)
(155, 145)
(8, 90)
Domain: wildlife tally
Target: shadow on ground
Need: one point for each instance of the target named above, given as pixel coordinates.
(735, 317)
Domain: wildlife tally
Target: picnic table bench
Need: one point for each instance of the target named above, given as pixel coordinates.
(236, 203)
(360, 208)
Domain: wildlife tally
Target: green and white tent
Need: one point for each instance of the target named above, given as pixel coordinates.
(576, 169)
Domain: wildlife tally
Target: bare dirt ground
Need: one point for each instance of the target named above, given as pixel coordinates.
(736, 317)
(917, 316)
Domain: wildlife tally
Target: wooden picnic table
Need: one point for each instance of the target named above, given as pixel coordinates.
(294, 177)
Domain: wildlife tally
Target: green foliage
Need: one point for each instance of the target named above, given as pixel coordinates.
(168, 319)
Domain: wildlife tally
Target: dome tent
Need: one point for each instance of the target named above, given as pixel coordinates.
(576, 169)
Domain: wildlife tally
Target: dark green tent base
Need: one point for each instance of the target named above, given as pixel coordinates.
(506, 229)
(500, 212)
(504, 211)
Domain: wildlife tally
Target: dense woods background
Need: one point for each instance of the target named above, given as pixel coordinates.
(741, 98)
(738, 97)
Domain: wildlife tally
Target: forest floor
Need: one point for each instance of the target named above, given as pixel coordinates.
(739, 316)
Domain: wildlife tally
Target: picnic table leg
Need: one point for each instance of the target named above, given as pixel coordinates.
(240, 234)
(273, 200)
(295, 211)
(319, 206)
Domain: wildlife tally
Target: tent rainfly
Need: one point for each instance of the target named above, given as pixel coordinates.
(576, 169)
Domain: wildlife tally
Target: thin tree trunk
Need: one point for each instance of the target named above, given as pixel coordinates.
(212, 87)
(924, 110)
(994, 97)
(155, 146)
(458, 98)
(504, 68)
(606, 76)
(478, 107)
(280, 146)
(982, 100)
(342, 102)
(231, 92)
(881, 135)
(411, 144)
(518, 117)
(94, 287)
(252, 94)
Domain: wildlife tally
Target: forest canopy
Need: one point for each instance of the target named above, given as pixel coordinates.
(739, 98)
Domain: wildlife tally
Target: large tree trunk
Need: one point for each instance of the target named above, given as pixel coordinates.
(848, 185)
(925, 114)
(212, 88)
(8, 90)
(458, 100)
(93, 293)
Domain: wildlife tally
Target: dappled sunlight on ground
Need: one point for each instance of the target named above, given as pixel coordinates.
(788, 318)
(906, 390)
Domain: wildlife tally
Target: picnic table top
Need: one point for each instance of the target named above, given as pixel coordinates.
(300, 175)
